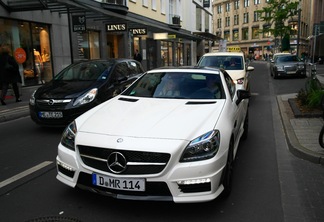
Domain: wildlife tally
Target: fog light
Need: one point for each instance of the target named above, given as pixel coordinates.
(63, 165)
(195, 181)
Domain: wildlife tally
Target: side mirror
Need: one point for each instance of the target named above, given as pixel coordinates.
(242, 94)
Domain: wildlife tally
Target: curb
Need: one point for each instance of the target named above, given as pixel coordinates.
(293, 143)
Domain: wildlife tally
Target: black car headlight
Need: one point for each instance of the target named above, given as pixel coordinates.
(32, 99)
(280, 68)
(68, 136)
(202, 148)
(86, 98)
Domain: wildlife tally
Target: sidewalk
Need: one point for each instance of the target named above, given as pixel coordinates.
(301, 133)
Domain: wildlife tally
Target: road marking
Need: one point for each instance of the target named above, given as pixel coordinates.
(24, 173)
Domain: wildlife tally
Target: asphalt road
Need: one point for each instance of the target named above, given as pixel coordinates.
(269, 184)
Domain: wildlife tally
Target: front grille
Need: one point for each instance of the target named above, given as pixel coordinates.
(46, 104)
(146, 162)
(290, 68)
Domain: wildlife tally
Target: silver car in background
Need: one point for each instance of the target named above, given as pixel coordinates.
(287, 65)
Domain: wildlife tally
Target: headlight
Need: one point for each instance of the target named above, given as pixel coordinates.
(68, 136)
(300, 66)
(202, 148)
(280, 68)
(86, 98)
(32, 99)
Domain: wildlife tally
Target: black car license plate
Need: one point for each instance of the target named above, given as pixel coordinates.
(50, 115)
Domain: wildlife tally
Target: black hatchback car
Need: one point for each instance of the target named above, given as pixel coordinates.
(80, 87)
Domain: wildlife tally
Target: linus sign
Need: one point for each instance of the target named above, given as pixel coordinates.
(116, 27)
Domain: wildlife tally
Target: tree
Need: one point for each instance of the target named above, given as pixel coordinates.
(275, 16)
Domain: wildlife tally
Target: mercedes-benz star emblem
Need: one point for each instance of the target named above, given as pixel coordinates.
(116, 162)
(51, 102)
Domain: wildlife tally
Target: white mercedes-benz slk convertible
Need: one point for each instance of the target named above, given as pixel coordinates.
(170, 136)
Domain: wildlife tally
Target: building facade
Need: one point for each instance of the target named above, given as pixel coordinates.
(46, 36)
(238, 23)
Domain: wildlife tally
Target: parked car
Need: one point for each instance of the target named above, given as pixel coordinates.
(171, 136)
(80, 87)
(233, 62)
(288, 65)
(274, 58)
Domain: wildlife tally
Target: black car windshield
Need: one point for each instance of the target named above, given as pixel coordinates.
(289, 58)
(225, 62)
(177, 85)
(85, 71)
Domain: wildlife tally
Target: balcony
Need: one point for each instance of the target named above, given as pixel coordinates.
(175, 21)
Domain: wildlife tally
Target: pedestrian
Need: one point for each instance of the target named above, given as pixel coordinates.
(9, 74)
(138, 56)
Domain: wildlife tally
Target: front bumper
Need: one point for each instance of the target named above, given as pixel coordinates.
(163, 186)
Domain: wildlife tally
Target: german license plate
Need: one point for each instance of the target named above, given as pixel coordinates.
(50, 115)
(130, 184)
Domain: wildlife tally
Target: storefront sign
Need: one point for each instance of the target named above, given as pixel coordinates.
(157, 36)
(172, 36)
(234, 49)
(20, 55)
(138, 31)
(116, 27)
(79, 23)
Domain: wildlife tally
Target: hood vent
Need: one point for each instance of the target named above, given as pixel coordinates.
(200, 102)
(127, 99)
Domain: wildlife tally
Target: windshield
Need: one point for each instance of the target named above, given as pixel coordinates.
(85, 71)
(225, 62)
(288, 59)
(178, 85)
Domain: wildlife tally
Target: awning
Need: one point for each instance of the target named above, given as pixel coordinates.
(95, 10)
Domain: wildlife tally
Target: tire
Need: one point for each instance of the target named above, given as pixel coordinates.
(246, 127)
(228, 171)
(321, 138)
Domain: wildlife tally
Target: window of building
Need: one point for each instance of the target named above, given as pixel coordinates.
(237, 4)
(153, 5)
(228, 7)
(227, 21)
(235, 35)
(145, 3)
(256, 2)
(246, 17)
(245, 33)
(227, 35)
(246, 3)
(219, 23)
(198, 19)
(219, 9)
(207, 22)
(256, 16)
(162, 6)
(236, 19)
(255, 32)
(266, 34)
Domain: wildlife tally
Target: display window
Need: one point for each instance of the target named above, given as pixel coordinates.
(30, 45)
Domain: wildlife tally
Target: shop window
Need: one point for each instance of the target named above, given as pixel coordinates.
(245, 34)
(30, 44)
(235, 35)
(255, 33)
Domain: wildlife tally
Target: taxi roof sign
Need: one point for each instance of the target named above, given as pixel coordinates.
(234, 49)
